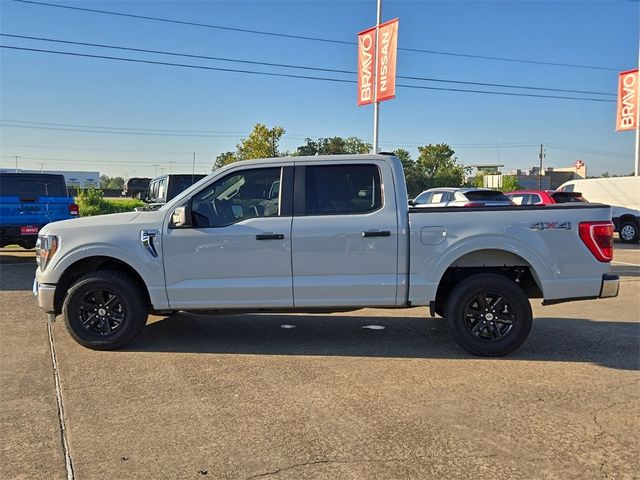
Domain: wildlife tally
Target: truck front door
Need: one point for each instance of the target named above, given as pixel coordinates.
(237, 253)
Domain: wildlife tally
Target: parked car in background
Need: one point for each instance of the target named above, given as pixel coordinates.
(543, 197)
(460, 197)
(135, 186)
(28, 201)
(622, 193)
(165, 187)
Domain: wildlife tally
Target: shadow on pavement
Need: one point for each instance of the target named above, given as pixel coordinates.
(610, 344)
(17, 269)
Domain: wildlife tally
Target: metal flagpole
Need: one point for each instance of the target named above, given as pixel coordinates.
(376, 104)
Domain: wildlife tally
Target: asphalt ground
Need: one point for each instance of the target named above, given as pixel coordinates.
(373, 394)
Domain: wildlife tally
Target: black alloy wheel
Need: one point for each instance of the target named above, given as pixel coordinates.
(488, 315)
(102, 312)
(105, 310)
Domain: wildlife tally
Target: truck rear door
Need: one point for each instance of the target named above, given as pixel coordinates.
(344, 235)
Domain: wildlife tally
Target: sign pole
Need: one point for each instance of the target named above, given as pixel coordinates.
(376, 104)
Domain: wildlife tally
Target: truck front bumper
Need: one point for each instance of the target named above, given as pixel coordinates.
(45, 295)
(610, 286)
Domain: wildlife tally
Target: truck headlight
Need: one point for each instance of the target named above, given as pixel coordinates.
(46, 247)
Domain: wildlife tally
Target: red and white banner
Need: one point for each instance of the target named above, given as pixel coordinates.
(366, 57)
(386, 60)
(628, 104)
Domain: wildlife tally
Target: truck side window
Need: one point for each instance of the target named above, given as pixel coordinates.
(342, 189)
(238, 196)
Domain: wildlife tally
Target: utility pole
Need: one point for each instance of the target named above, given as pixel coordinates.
(171, 166)
(155, 169)
(540, 156)
(17, 157)
(193, 168)
(376, 104)
(41, 167)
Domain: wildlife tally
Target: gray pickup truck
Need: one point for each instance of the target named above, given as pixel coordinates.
(335, 233)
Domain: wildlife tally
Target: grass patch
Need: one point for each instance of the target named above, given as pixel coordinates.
(91, 202)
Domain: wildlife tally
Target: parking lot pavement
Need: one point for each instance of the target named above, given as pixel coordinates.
(364, 395)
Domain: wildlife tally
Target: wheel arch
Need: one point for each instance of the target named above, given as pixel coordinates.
(500, 262)
(91, 264)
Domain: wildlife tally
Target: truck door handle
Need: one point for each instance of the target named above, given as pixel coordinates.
(377, 233)
(269, 236)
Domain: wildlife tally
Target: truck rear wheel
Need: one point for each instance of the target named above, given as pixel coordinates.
(105, 310)
(488, 315)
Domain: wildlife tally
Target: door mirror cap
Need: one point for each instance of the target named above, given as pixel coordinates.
(412, 203)
(181, 217)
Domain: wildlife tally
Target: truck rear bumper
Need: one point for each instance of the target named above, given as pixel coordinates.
(609, 287)
(44, 294)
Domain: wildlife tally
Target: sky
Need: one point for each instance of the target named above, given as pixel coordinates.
(122, 118)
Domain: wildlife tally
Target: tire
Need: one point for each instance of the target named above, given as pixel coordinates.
(628, 231)
(488, 315)
(28, 244)
(105, 310)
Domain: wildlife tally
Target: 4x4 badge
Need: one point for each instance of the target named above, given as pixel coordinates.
(551, 226)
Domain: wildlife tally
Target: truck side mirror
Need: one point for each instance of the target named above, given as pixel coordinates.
(181, 217)
(412, 203)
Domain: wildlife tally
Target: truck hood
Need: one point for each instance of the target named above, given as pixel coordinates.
(105, 221)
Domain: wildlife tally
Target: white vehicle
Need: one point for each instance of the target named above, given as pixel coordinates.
(335, 234)
(622, 193)
(460, 197)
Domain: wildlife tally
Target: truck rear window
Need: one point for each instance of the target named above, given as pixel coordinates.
(486, 195)
(32, 184)
(567, 197)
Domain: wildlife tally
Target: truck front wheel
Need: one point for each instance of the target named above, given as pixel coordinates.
(488, 315)
(105, 310)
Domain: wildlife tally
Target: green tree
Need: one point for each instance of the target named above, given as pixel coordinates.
(309, 148)
(478, 180)
(510, 183)
(224, 159)
(437, 166)
(412, 177)
(262, 142)
(333, 146)
(356, 146)
(104, 181)
(114, 183)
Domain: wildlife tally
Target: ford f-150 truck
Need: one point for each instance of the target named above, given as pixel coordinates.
(321, 234)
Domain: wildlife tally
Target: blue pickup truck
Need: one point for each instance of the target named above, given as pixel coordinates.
(28, 201)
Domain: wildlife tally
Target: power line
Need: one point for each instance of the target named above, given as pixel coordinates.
(305, 77)
(309, 38)
(123, 130)
(300, 67)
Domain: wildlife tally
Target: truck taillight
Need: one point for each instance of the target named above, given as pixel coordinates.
(598, 237)
(74, 210)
